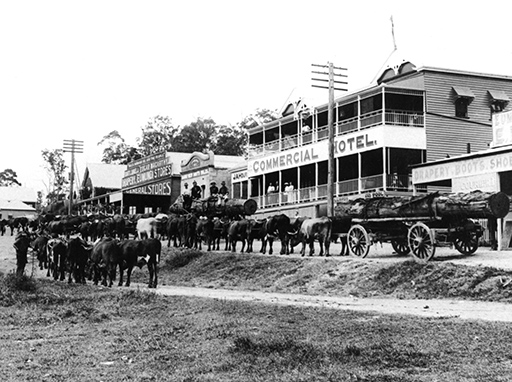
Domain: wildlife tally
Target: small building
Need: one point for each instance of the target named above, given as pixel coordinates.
(205, 168)
(17, 201)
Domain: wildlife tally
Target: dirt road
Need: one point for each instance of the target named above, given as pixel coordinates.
(425, 308)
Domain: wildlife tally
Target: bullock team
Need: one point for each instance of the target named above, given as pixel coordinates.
(80, 247)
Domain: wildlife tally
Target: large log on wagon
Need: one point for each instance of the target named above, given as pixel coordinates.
(470, 205)
(212, 207)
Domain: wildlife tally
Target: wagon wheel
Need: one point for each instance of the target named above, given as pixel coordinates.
(467, 243)
(358, 241)
(401, 246)
(422, 242)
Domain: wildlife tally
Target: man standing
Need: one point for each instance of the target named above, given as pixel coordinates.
(21, 245)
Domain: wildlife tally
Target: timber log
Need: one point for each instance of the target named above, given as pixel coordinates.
(211, 207)
(472, 205)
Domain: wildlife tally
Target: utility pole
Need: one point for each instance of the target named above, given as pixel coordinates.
(330, 126)
(72, 146)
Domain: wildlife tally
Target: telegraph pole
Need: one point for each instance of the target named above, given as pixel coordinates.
(72, 146)
(330, 125)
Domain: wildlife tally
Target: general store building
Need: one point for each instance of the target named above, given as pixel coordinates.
(409, 116)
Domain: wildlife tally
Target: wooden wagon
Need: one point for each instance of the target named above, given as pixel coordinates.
(417, 224)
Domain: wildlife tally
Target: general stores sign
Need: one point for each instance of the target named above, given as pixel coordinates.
(148, 175)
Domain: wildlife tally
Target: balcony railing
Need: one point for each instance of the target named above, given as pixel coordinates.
(376, 118)
(393, 183)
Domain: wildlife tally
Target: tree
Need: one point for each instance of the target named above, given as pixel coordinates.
(231, 140)
(55, 167)
(259, 117)
(158, 135)
(8, 178)
(116, 150)
(198, 136)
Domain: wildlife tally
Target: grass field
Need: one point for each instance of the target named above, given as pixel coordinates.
(52, 331)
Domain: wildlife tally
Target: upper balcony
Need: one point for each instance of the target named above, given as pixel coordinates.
(383, 106)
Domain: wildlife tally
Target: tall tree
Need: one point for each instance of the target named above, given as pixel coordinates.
(157, 135)
(231, 140)
(116, 151)
(8, 178)
(55, 167)
(197, 136)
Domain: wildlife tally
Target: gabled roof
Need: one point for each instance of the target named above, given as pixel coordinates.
(23, 194)
(15, 205)
(103, 175)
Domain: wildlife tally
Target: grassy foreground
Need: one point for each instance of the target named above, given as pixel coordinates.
(52, 331)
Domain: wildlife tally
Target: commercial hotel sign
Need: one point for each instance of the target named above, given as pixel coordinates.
(317, 152)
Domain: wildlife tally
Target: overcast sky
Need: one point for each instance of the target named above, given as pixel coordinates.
(80, 69)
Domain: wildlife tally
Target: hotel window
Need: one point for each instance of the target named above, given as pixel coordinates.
(463, 98)
(498, 101)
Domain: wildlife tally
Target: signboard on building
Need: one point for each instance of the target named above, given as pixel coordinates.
(147, 170)
(239, 176)
(464, 168)
(159, 188)
(501, 129)
(483, 182)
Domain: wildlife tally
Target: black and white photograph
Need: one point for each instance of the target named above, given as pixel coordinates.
(255, 191)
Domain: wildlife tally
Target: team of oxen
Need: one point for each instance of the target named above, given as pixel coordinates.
(93, 247)
(80, 247)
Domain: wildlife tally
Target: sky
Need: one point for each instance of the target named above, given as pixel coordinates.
(81, 69)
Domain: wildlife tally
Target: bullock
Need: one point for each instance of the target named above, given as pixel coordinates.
(152, 251)
(204, 232)
(78, 256)
(238, 231)
(118, 226)
(84, 230)
(316, 228)
(105, 256)
(147, 228)
(256, 229)
(3, 223)
(173, 231)
(277, 226)
(149, 250)
(220, 231)
(57, 251)
(39, 245)
(130, 250)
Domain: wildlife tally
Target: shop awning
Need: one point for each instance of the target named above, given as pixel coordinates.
(499, 95)
(463, 92)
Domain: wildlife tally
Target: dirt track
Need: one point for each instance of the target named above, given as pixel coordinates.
(425, 308)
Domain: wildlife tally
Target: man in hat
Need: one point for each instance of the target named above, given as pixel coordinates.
(195, 191)
(223, 192)
(214, 190)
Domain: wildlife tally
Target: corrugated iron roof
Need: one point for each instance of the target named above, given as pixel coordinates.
(24, 194)
(15, 205)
